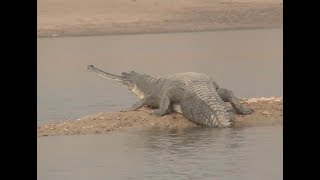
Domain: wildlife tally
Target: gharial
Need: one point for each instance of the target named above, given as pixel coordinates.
(195, 95)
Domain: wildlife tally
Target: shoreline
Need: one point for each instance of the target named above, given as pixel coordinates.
(267, 112)
(71, 35)
(119, 17)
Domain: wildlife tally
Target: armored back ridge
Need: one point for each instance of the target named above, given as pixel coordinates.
(195, 95)
(201, 102)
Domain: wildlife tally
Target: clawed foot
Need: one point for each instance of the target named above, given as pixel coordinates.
(126, 110)
(247, 111)
(156, 112)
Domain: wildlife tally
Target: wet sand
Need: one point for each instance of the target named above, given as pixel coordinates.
(57, 18)
(267, 112)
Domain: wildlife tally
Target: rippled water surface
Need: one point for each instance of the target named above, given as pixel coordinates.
(196, 153)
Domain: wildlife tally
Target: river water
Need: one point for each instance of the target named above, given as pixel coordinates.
(247, 61)
(195, 153)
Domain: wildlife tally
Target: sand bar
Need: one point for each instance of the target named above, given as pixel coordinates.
(267, 112)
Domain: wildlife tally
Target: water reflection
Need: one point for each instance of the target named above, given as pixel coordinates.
(205, 152)
(192, 153)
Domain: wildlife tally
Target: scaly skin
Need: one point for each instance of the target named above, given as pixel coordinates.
(195, 95)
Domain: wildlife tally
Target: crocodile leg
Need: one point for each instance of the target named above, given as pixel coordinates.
(228, 96)
(163, 107)
(136, 106)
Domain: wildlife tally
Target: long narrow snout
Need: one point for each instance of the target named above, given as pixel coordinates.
(103, 74)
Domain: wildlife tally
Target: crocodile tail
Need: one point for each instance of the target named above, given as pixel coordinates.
(210, 110)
